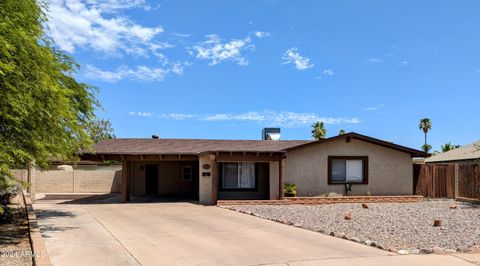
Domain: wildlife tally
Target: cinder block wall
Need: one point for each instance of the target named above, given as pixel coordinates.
(20, 174)
(90, 179)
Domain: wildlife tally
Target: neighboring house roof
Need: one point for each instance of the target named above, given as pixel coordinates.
(353, 135)
(468, 152)
(131, 146)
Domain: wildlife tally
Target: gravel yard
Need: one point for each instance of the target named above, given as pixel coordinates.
(394, 226)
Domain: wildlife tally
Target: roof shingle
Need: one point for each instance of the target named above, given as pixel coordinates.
(131, 146)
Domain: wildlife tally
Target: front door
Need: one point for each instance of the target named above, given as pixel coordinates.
(151, 179)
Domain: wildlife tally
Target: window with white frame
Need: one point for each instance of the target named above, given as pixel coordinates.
(187, 173)
(238, 175)
(347, 169)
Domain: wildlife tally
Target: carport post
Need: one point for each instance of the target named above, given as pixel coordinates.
(281, 178)
(125, 191)
(214, 178)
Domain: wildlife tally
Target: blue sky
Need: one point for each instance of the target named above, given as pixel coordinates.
(226, 69)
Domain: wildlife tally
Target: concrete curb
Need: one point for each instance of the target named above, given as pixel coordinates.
(39, 250)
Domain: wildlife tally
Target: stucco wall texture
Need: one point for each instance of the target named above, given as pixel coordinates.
(389, 171)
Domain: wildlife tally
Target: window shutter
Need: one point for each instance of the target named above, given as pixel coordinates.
(354, 170)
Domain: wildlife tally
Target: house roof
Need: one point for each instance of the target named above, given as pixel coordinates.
(467, 152)
(353, 135)
(138, 146)
(131, 146)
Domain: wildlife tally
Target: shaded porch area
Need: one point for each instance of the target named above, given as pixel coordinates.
(205, 178)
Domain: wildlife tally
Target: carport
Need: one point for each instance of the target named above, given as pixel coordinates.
(203, 170)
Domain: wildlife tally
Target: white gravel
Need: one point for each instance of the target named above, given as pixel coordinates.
(393, 226)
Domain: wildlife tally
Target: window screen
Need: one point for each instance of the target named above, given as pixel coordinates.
(238, 175)
(338, 170)
(346, 171)
(354, 169)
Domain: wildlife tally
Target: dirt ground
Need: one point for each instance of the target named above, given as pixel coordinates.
(14, 238)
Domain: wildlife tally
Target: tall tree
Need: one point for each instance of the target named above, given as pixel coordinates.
(318, 130)
(341, 132)
(43, 109)
(425, 125)
(100, 129)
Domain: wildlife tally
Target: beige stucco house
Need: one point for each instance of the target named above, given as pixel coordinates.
(211, 170)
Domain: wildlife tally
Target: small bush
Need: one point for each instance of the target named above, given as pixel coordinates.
(7, 192)
(290, 190)
(6, 215)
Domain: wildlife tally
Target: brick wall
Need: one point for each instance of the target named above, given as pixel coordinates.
(326, 200)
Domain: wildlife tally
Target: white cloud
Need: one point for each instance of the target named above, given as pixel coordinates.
(328, 72)
(373, 60)
(261, 34)
(267, 117)
(114, 5)
(141, 73)
(374, 108)
(216, 50)
(177, 116)
(97, 25)
(181, 35)
(404, 63)
(292, 56)
(145, 114)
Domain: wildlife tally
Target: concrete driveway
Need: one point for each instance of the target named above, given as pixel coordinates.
(101, 232)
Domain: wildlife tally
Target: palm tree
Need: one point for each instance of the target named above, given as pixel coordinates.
(425, 125)
(341, 132)
(449, 146)
(426, 147)
(318, 130)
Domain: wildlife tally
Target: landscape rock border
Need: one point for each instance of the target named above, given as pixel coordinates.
(368, 242)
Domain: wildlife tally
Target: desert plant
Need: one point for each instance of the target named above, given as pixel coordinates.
(43, 108)
(290, 190)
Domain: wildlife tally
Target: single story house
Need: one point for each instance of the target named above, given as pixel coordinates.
(211, 170)
(468, 154)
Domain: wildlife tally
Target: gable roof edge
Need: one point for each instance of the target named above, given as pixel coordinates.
(412, 152)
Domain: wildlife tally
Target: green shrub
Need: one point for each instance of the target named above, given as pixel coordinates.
(6, 215)
(290, 190)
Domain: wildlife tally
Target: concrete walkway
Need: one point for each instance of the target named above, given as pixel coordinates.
(100, 232)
